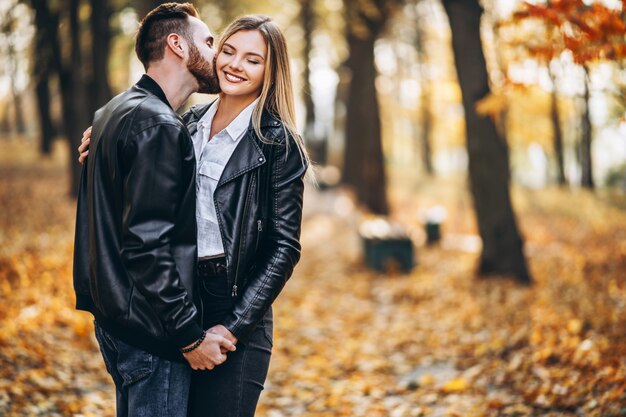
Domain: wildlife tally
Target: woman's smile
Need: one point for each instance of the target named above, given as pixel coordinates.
(233, 78)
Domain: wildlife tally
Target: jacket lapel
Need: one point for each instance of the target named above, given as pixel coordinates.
(246, 156)
(197, 111)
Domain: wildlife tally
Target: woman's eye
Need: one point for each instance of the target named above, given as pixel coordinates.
(253, 61)
(227, 52)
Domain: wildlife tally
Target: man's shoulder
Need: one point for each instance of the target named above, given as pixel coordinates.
(153, 112)
(141, 108)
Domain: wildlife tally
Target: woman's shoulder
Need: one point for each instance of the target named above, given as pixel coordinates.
(270, 121)
(273, 128)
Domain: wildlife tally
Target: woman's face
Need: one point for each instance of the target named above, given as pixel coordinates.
(241, 64)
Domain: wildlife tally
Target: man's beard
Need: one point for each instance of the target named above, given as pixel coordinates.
(203, 71)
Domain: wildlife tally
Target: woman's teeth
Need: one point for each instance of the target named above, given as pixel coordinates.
(233, 78)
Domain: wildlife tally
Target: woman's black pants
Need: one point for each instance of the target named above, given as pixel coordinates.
(231, 389)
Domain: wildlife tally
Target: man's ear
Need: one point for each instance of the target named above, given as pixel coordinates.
(177, 44)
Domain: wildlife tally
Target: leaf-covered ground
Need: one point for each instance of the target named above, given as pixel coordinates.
(350, 342)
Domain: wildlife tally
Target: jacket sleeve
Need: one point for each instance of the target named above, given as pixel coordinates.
(281, 250)
(153, 184)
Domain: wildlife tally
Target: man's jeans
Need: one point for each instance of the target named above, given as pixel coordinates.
(145, 384)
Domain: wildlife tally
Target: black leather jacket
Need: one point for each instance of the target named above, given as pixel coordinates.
(258, 202)
(135, 244)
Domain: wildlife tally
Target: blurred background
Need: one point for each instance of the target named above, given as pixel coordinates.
(464, 250)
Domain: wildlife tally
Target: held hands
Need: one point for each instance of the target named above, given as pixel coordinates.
(210, 353)
(83, 149)
(224, 332)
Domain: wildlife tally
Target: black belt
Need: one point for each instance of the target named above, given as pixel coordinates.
(212, 267)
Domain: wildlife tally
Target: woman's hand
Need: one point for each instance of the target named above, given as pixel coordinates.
(224, 332)
(83, 149)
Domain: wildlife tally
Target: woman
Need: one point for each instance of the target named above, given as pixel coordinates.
(251, 165)
(249, 208)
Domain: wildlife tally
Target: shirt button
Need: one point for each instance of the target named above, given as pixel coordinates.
(260, 159)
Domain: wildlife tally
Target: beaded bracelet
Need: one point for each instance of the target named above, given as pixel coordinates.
(195, 345)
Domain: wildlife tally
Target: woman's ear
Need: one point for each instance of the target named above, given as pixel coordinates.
(177, 44)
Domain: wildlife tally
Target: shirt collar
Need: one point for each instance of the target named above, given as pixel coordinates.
(237, 127)
(147, 83)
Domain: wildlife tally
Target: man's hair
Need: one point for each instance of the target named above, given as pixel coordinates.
(157, 25)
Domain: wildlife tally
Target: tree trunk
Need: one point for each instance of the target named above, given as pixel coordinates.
(557, 132)
(20, 125)
(144, 6)
(307, 17)
(502, 252)
(101, 36)
(5, 124)
(427, 126)
(316, 145)
(585, 142)
(45, 26)
(363, 154)
(425, 100)
(76, 116)
(12, 67)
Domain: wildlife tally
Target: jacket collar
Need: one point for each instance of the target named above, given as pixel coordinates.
(267, 119)
(147, 83)
(247, 155)
(237, 127)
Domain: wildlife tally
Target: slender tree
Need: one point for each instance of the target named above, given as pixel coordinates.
(8, 28)
(363, 167)
(586, 162)
(502, 252)
(317, 145)
(101, 39)
(46, 24)
(426, 96)
(76, 113)
(557, 132)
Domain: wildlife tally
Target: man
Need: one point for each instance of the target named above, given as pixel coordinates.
(135, 244)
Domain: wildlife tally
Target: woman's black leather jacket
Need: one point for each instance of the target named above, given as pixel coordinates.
(258, 201)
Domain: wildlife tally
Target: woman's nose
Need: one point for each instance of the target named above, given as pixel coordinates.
(235, 63)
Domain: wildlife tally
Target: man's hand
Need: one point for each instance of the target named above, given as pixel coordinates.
(83, 149)
(209, 354)
(224, 332)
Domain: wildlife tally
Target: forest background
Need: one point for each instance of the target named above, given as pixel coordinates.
(490, 135)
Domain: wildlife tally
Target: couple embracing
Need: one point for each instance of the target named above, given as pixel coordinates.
(188, 228)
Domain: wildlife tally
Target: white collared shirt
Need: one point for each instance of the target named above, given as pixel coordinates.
(211, 158)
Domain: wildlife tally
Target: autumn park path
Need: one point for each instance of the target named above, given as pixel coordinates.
(348, 341)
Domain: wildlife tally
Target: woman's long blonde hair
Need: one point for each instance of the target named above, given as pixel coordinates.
(277, 91)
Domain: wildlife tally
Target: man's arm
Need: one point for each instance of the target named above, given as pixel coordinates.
(154, 185)
(211, 352)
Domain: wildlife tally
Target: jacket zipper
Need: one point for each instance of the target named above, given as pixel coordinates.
(233, 292)
(259, 228)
